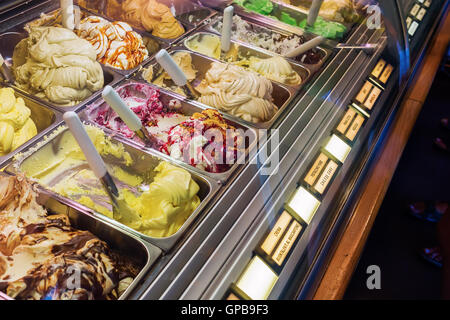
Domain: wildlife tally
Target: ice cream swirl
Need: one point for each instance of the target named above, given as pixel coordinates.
(275, 68)
(154, 17)
(239, 92)
(54, 64)
(115, 43)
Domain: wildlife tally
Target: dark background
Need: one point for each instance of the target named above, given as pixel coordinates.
(397, 238)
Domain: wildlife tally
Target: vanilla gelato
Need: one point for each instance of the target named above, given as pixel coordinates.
(56, 65)
(239, 92)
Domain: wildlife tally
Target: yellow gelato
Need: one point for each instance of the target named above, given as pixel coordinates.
(160, 209)
(55, 64)
(168, 202)
(274, 68)
(16, 126)
(206, 44)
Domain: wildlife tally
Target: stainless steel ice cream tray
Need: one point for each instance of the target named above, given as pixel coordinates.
(294, 12)
(304, 5)
(247, 50)
(43, 117)
(188, 108)
(260, 26)
(8, 42)
(282, 95)
(144, 161)
(188, 14)
(142, 254)
(53, 17)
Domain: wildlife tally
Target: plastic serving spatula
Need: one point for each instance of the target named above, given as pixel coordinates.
(121, 211)
(175, 72)
(6, 72)
(226, 28)
(128, 116)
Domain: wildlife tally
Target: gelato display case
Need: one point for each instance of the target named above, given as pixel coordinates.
(250, 211)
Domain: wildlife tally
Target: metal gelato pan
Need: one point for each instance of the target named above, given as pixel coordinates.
(285, 17)
(245, 50)
(282, 95)
(304, 5)
(188, 108)
(53, 18)
(144, 161)
(44, 118)
(188, 14)
(261, 27)
(141, 254)
(8, 42)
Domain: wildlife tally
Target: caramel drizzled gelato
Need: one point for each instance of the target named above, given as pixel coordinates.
(115, 43)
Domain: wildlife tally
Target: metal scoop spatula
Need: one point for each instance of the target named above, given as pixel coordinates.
(121, 211)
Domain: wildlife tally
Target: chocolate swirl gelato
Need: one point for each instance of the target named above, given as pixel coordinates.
(43, 258)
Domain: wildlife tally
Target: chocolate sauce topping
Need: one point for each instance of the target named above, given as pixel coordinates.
(77, 265)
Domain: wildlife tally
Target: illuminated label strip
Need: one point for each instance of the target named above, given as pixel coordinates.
(368, 95)
(261, 273)
(257, 280)
(416, 15)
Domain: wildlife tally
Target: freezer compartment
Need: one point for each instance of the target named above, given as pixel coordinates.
(185, 107)
(44, 118)
(5, 6)
(182, 10)
(287, 18)
(143, 163)
(140, 254)
(261, 28)
(243, 51)
(188, 12)
(52, 17)
(282, 95)
(348, 17)
(8, 42)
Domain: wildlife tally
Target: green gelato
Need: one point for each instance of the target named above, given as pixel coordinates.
(286, 18)
(327, 29)
(264, 7)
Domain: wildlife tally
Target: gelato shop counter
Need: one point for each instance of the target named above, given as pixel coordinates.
(237, 176)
